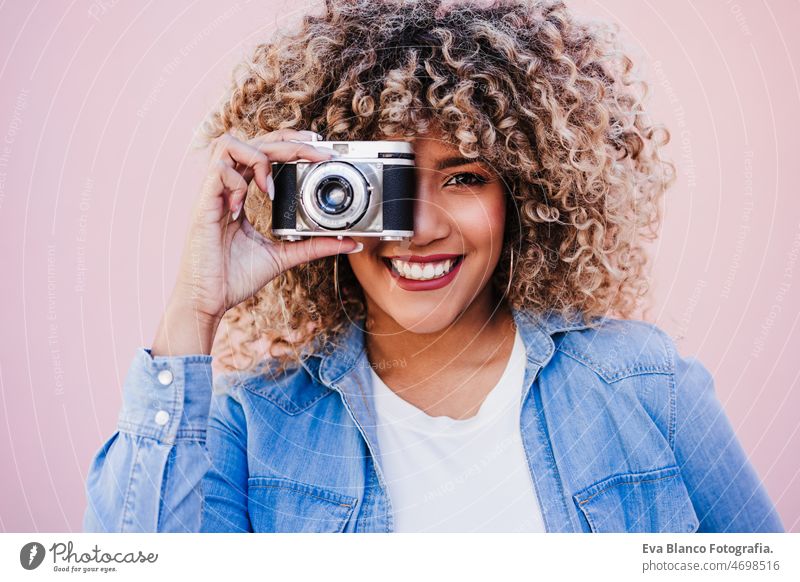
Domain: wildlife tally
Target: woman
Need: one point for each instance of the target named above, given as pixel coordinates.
(470, 379)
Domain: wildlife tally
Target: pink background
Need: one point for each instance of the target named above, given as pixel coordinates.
(98, 107)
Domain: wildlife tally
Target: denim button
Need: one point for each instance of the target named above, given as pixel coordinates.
(165, 377)
(162, 417)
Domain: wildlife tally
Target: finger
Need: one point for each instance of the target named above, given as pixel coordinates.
(231, 180)
(233, 151)
(247, 172)
(288, 151)
(285, 151)
(286, 135)
(291, 254)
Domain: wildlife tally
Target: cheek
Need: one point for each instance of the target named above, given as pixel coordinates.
(480, 219)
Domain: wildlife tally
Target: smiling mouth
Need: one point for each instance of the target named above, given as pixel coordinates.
(422, 271)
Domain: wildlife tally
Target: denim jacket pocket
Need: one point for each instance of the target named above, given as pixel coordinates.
(283, 505)
(650, 501)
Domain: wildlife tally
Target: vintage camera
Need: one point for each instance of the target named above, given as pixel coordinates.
(366, 190)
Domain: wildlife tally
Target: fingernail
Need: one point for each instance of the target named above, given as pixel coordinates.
(270, 187)
(237, 210)
(358, 249)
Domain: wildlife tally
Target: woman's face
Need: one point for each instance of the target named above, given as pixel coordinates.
(459, 216)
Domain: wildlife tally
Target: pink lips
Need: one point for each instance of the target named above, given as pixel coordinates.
(430, 284)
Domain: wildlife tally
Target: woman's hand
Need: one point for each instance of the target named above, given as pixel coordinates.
(225, 260)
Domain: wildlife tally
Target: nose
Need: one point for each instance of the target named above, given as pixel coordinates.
(431, 222)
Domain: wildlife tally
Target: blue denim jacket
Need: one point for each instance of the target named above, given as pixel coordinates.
(620, 433)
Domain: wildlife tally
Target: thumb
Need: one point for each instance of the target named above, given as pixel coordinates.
(294, 253)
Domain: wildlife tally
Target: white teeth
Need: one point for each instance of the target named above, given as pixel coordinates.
(423, 271)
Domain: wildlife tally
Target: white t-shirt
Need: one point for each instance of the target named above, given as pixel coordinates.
(450, 475)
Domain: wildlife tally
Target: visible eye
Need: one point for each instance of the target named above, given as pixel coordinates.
(467, 179)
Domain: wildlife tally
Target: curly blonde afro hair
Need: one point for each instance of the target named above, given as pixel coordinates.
(550, 102)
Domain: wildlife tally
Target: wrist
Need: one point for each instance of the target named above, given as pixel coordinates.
(188, 311)
(184, 300)
(184, 330)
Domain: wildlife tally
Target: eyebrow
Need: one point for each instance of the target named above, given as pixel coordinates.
(455, 161)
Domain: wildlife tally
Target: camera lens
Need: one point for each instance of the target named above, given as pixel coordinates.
(334, 195)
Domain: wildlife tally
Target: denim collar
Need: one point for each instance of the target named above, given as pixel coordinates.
(349, 349)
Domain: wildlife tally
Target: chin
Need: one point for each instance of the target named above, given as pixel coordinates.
(421, 318)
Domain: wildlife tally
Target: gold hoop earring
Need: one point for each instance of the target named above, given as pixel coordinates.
(510, 273)
(336, 274)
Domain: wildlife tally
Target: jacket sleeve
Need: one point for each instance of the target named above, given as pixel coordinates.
(177, 462)
(725, 490)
